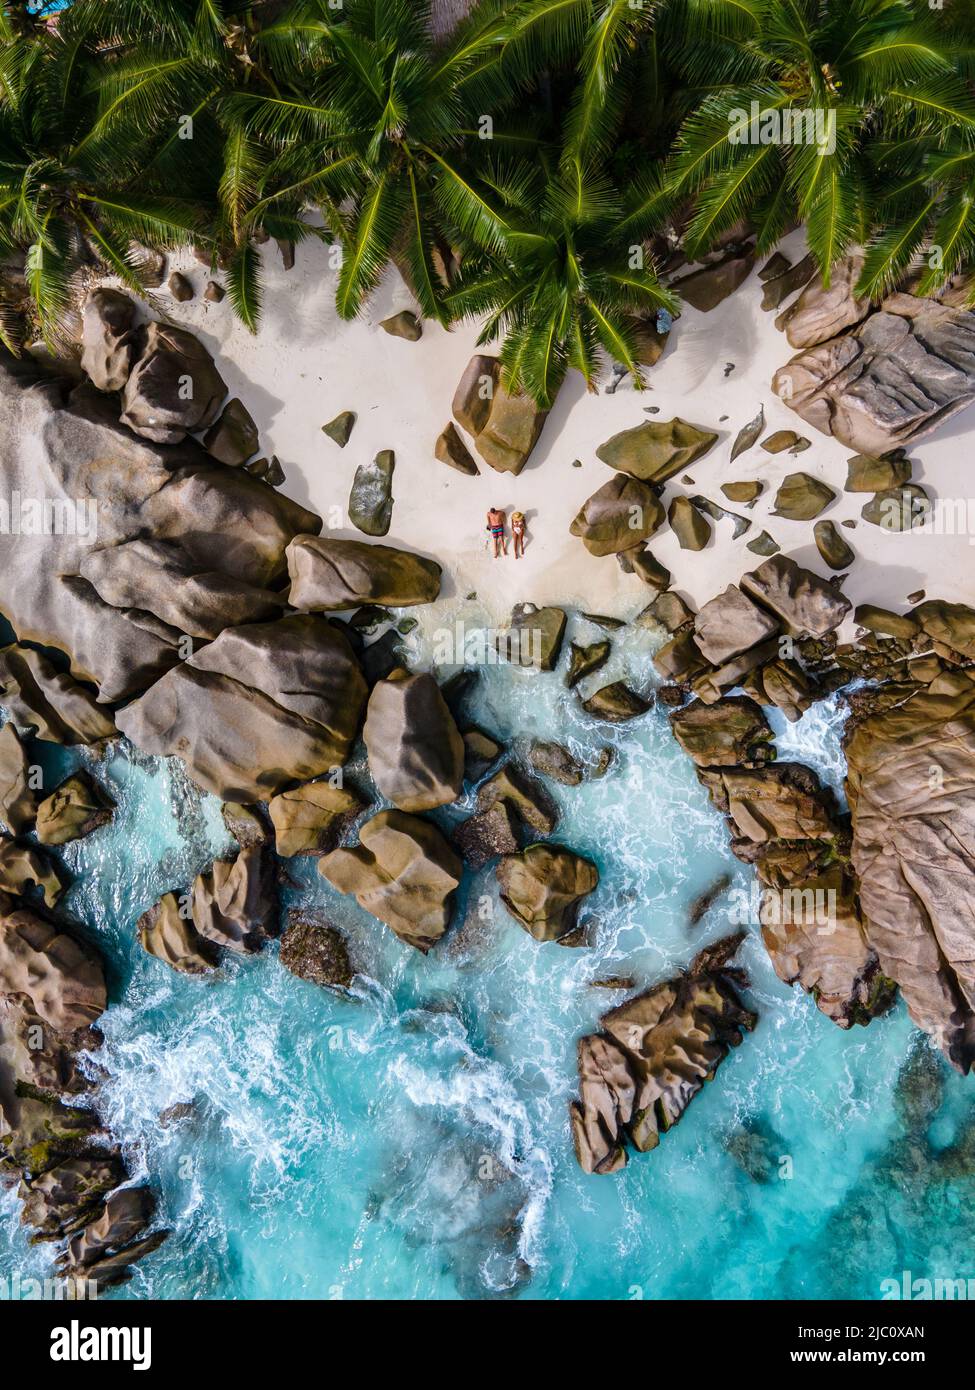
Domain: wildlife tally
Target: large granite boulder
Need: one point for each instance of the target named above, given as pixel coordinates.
(505, 427)
(729, 624)
(76, 808)
(169, 935)
(783, 801)
(56, 1200)
(261, 708)
(533, 637)
(898, 376)
(416, 754)
(52, 703)
(336, 576)
(18, 800)
(45, 969)
(657, 449)
(706, 288)
(911, 789)
(820, 313)
(542, 888)
(174, 388)
(403, 872)
(312, 819)
(622, 514)
(103, 488)
(234, 902)
(107, 338)
(652, 1056)
(25, 867)
(524, 796)
(806, 605)
(732, 732)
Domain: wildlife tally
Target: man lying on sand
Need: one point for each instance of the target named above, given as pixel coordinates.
(495, 524)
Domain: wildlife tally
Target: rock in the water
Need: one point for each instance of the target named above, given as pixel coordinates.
(249, 825)
(262, 707)
(403, 872)
(58, 977)
(584, 661)
(164, 932)
(533, 637)
(234, 438)
(340, 429)
(371, 498)
(335, 576)
(416, 755)
(542, 888)
(729, 624)
(731, 733)
(234, 903)
(866, 474)
(74, 809)
(899, 375)
(403, 325)
(801, 498)
(805, 604)
(38, 697)
(693, 531)
(820, 313)
(108, 338)
(452, 450)
(23, 867)
(669, 610)
(174, 388)
(622, 514)
(657, 449)
(487, 834)
(708, 287)
(832, 547)
(782, 801)
(480, 751)
(315, 951)
(524, 795)
(616, 703)
(313, 818)
(554, 760)
(654, 1053)
(58, 1200)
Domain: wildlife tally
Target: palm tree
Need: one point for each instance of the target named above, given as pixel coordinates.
(883, 80)
(562, 270)
(64, 199)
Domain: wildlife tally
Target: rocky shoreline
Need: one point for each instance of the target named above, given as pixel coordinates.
(211, 620)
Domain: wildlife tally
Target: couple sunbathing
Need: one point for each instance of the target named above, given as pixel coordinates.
(496, 525)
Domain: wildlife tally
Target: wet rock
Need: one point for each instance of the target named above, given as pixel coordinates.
(900, 509)
(820, 313)
(403, 325)
(693, 531)
(555, 761)
(656, 450)
(525, 795)
(710, 286)
(249, 825)
(801, 498)
(169, 935)
(403, 872)
(335, 575)
(371, 498)
(73, 810)
(746, 493)
(616, 703)
(654, 1053)
(58, 1201)
(260, 708)
(61, 980)
(312, 819)
(763, 544)
(670, 611)
(108, 338)
(533, 637)
(542, 888)
(805, 604)
(180, 288)
(340, 429)
(487, 834)
(315, 951)
(732, 733)
(584, 661)
(37, 697)
(899, 375)
(832, 547)
(24, 867)
(416, 755)
(699, 908)
(783, 684)
(156, 401)
(126, 1213)
(452, 450)
(234, 437)
(866, 474)
(480, 751)
(729, 624)
(234, 902)
(622, 514)
(679, 659)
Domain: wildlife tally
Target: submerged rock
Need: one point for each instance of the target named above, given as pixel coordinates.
(315, 951)
(542, 888)
(336, 576)
(525, 795)
(555, 761)
(584, 661)
(654, 1053)
(403, 872)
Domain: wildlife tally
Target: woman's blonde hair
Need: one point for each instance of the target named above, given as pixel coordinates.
(517, 516)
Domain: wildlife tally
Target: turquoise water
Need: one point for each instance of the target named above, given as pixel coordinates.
(413, 1141)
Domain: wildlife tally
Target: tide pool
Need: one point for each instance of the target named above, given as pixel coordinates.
(413, 1141)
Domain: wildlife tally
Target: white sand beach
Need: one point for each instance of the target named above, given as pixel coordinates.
(305, 366)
